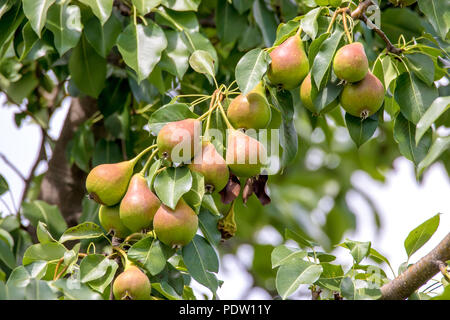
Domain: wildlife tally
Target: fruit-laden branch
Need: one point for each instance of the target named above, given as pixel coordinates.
(360, 13)
(418, 274)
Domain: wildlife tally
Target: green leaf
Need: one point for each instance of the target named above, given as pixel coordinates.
(181, 5)
(4, 187)
(6, 5)
(6, 254)
(303, 243)
(141, 47)
(202, 62)
(43, 234)
(286, 30)
(39, 290)
(106, 152)
(309, 22)
(420, 235)
(175, 59)
(413, 96)
(440, 145)
(284, 254)
(266, 21)
(36, 12)
(171, 184)
(422, 66)
(44, 251)
(436, 11)
(145, 6)
(150, 254)
(64, 22)
(85, 230)
(201, 260)
(361, 130)
(97, 271)
(331, 276)
(208, 225)
(358, 250)
(291, 275)
(324, 57)
(74, 290)
(348, 289)
(82, 147)
(49, 214)
(103, 38)
(194, 196)
(404, 134)
(229, 22)
(385, 70)
(437, 108)
(374, 254)
(169, 113)
(87, 68)
(29, 39)
(209, 204)
(242, 5)
(101, 8)
(251, 68)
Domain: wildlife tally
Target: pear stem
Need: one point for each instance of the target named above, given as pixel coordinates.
(139, 156)
(224, 116)
(347, 32)
(132, 236)
(333, 19)
(123, 255)
(147, 164)
(212, 106)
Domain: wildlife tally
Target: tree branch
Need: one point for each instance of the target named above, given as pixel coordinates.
(418, 274)
(360, 14)
(12, 166)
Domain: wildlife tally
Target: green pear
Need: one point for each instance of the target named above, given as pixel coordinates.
(132, 284)
(308, 94)
(177, 227)
(350, 62)
(363, 98)
(110, 220)
(212, 166)
(251, 110)
(289, 63)
(107, 183)
(139, 205)
(177, 140)
(245, 155)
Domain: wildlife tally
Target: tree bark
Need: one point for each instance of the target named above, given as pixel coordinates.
(418, 274)
(62, 184)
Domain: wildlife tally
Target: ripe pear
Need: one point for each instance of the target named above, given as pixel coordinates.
(175, 227)
(177, 140)
(107, 183)
(308, 94)
(251, 110)
(132, 284)
(212, 166)
(110, 220)
(245, 155)
(363, 98)
(289, 63)
(402, 3)
(139, 205)
(350, 62)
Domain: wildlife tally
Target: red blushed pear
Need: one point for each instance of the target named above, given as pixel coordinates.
(363, 98)
(212, 166)
(245, 155)
(289, 63)
(139, 205)
(350, 62)
(177, 141)
(251, 110)
(177, 227)
(132, 284)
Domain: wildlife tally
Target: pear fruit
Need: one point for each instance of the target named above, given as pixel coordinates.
(107, 183)
(251, 110)
(110, 220)
(177, 140)
(132, 284)
(177, 227)
(289, 63)
(245, 155)
(139, 205)
(308, 94)
(350, 62)
(212, 166)
(363, 98)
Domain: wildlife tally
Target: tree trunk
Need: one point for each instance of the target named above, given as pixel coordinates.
(63, 185)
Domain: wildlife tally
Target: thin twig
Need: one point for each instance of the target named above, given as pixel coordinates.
(13, 167)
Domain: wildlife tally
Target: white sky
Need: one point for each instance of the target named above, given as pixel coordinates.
(402, 202)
